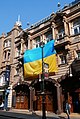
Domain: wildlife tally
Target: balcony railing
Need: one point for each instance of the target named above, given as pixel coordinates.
(60, 35)
(62, 41)
(76, 39)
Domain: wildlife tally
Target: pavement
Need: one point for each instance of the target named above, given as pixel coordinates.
(72, 115)
(22, 114)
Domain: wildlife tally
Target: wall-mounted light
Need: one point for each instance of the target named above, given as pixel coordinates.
(18, 83)
(70, 75)
(70, 72)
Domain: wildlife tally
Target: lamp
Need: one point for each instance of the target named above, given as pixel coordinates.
(70, 72)
(43, 94)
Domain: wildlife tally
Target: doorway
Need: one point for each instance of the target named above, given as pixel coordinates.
(76, 102)
(21, 102)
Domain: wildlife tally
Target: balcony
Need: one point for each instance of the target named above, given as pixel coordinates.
(61, 40)
(75, 38)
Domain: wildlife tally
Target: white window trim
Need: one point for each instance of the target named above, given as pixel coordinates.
(73, 28)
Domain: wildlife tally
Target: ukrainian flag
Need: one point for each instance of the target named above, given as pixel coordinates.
(33, 60)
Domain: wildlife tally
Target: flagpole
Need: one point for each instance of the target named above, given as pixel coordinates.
(43, 94)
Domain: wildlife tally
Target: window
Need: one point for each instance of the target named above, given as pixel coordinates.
(17, 71)
(8, 55)
(7, 43)
(60, 33)
(5, 55)
(48, 37)
(76, 26)
(76, 30)
(78, 55)
(63, 59)
(18, 50)
(37, 42)
(2, 80)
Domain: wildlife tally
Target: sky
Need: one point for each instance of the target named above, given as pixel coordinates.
(30, 11)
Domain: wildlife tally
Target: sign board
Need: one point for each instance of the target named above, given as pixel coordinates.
(7, 73)
(46, 70)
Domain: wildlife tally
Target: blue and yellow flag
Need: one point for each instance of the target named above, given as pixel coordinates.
(33, 60)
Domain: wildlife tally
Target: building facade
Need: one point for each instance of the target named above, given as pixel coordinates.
(7, 64)
(64, 27)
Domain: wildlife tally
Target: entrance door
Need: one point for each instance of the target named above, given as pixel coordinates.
(48, 103)
(76, 102)
(21, 102)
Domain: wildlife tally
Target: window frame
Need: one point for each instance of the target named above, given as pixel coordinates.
(63, 59)
(7, 43)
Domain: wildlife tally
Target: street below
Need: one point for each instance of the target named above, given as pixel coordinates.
(33, 117)
(26, 115)
(12, 115)
(3, 117)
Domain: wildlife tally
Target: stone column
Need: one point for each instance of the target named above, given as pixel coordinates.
(58, 98)
(65, 26)
(43, 37)
(70, 28)
(29, 42)
(75, 54)
(59, 60)
(31, 99)
(21, 45)
(53, 31)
